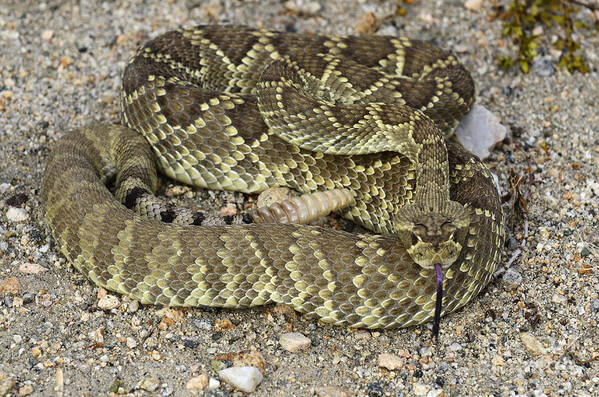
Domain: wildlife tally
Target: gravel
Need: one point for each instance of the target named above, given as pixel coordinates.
(533, 332)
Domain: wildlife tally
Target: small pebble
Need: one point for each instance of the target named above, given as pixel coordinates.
(108, 302)
(388, 30)
(199, 382)
(375, 389)
(224, 325)
(532, 344)
(96, 335)
(420, 389)
(362, 334)
(47, 34)
(294, 342)
(512, 279)
(538, 30)
(390, 361)
(133, 306)
(473, 5)
(544, 66)
(454, 347)
(213, 384)
(310, 7)
(149, 384)
(31, 268)
(559, 299)
(131, 343)
(28, 297)
(7, 382)
(16, 214)
(202, 325)
(25, 390)
(11, 285)
(330, 391)
(512, 244)
(245, 379)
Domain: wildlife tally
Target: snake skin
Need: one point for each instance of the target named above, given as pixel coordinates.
(234, 108)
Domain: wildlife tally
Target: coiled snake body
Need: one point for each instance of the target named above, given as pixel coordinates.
(241, 109)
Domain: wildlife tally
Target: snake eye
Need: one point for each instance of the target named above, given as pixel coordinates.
(419, 229)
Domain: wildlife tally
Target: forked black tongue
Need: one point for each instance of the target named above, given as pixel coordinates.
(439, 301)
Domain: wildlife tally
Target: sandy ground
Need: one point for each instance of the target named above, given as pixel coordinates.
(533, 331)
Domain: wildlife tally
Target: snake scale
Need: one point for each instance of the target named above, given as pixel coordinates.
(233, 108)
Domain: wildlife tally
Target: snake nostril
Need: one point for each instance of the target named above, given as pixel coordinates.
(414, 239)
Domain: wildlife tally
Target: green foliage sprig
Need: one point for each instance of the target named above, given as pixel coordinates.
(523, 15)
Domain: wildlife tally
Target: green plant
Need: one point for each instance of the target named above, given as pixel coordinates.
(521, 18)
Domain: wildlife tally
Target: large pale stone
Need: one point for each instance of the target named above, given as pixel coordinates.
(245, 379)
(479, 131)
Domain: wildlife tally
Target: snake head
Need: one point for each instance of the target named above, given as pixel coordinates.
(433, 235)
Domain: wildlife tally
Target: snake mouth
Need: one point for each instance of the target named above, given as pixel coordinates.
(438, 300)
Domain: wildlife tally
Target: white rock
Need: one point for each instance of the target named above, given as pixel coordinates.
(109, 302)
(420, 389)
(434, 393)
(31, 268)
(213, 384)
(512, 278)
(149, 384)
(388, 30)
(480, 130)
(426, 17)
(310, 7)
(390, 361)
(473, 5)
(532, 344)
(559, 299)
(294, 342)
(538, 30)
(454, 347)
(362, 334)
(131, 343)
(17, 214)
(133, 306)
(47, 34)
(245, 379)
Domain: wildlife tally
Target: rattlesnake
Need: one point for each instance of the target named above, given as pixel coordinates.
(226, 107)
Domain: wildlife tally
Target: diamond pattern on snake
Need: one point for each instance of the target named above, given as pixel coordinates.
(234, 108)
